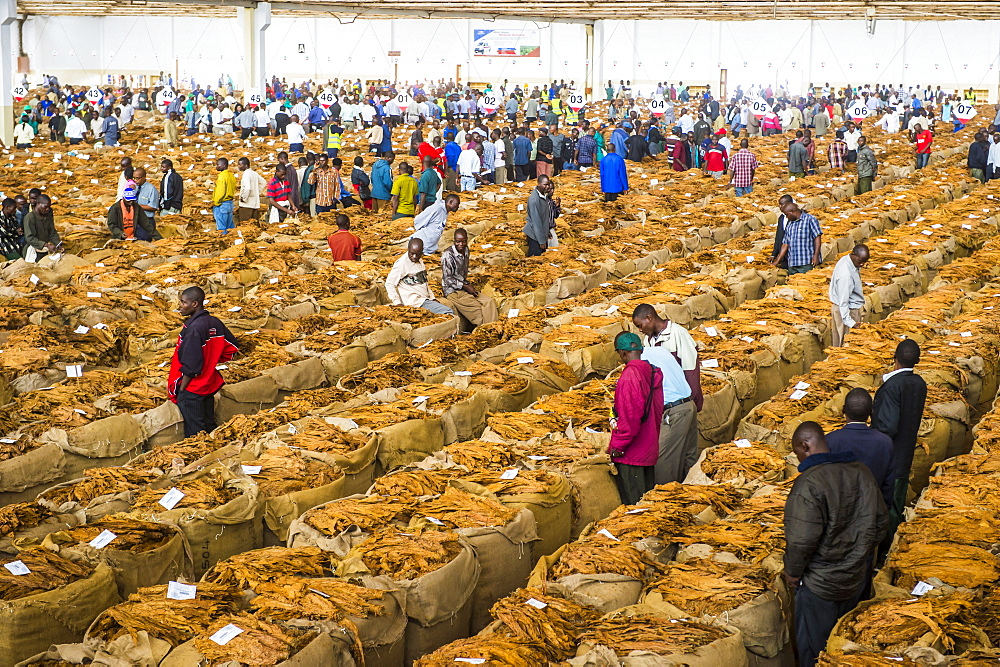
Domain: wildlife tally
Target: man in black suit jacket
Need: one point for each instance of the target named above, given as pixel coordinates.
(897, 410)
(870, 446)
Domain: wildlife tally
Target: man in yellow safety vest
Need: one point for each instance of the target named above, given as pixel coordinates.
(332, 135)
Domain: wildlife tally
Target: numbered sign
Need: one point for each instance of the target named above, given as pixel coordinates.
(576, 101)
(94, 96)
(489, 102)
(19, 92)
(657, 107)
(403, 101)
(253, 98)
(759, 108)
(964, 112)
(859, 111)
(328, 99)
(165, 97)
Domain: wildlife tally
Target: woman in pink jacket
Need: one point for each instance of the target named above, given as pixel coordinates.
(635, 429)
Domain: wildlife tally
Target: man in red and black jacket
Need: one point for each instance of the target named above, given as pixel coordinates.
(203, 343)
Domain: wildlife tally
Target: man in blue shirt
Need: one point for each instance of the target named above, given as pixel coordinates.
(614, 175)
(871, 447)
(381, 180)
(110, 129)
(802, 243)
(522, 155)
(451, 152)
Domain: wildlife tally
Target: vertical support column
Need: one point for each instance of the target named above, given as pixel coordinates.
(8, 17)
(254, 22)
(588, 80)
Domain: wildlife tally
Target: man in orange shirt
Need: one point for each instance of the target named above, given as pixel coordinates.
(344, 246)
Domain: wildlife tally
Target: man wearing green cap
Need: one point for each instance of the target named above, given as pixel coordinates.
(635, 428)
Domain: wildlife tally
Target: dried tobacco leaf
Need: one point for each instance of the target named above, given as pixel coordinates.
(494, 649)
(705, 586)
(727, 462)
(284, 470)
(598, 555)
(47, 571)
(369, 514)
(411, 484)
(519, 426)
(286, 598)
(252, 568)
(261, 644)
(20, 516)
(174, 621)
(130, 534)
(407, 555)
(895, 624)
(553, 628)
(480, 455)
(750, 543)
(459, 509)
(653, 634)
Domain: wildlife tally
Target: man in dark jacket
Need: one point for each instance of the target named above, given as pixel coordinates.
(871, 447)
(897, 410)
(171, 188)
(540, 219)
(979, 157)
(204, 342)
(834, 520)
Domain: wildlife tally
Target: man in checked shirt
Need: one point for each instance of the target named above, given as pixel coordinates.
(802, 243)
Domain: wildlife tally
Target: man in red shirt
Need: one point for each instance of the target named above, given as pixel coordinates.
(715, 158)
(344, 246)
(924, 139)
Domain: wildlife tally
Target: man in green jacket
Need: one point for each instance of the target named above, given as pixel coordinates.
(40, 235)
(867, 166)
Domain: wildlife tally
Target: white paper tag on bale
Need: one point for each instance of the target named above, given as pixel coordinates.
(509, 474)
(537, 604)
(94, 295)
(749, 259)
(472, 661)
(235, 309)
(743, 443)
(538, 458)
(102, 540)
(966, 334)
(171, 498)
(525, 360)
(921, 588)
(33, 279)
(8, 441)
(17, 568)
(746, 339)
(434, 520)
(711, 331)
(964, 226)
(74, 371)
(606, 533)
(710, 363)
(178, 591)
(79, 411)
(798, 394)
(513, 312)
(250, 470)
(81, 329)
(802, 385)
(638, 510)
(292, 430)
(610, 310)
(520, 207)
(226, 634)
(463, 373)
(761, 323)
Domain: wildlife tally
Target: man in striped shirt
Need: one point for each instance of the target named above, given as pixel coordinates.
(802, 243)
(742, 167)
(836, 152)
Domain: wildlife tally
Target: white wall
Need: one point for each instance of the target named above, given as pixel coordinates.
(83, 50)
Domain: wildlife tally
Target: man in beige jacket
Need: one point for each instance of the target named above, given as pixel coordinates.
(252, 186)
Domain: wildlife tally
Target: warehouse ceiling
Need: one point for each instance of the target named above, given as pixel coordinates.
(575, 11)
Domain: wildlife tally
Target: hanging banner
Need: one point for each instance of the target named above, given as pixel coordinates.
(506, 43)
(165, 97)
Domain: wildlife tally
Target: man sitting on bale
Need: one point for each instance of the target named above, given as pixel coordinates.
(407, 284)
(463, 297)
(127, 221)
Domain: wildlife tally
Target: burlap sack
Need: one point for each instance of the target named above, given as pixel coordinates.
(245, 398)
(223, 531)
(164, 425)
(726, 651)
(60, 616)
(438, 604)
(587, 362)
(382, 342)
(553, 512)
(103, 438)
(504, 555)
(605, 592)
(464, 420)
(26, 537)
(142, 651)
(132, 571)
(764, 628)
(696, 475)
(348, 359)
(358, 465)
(719, 417)
(280, 511)
(409, 441)
(325, 649)
(301, 534)
(595, 493)
(438, 331)
(32, 471)
(301, 375)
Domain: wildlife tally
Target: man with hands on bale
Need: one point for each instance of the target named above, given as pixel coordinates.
(203, 343)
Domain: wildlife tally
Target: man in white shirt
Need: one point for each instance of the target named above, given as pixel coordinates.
(296, 135)
(846, 293)
(686, 122)
(252, 186)
(993, 157)
(430, 223)
(406, 284)
(679, 430)
(889, 121)
(499, 170)
(851, 136)
(301, 109)
(469, 167)
(75, 129)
